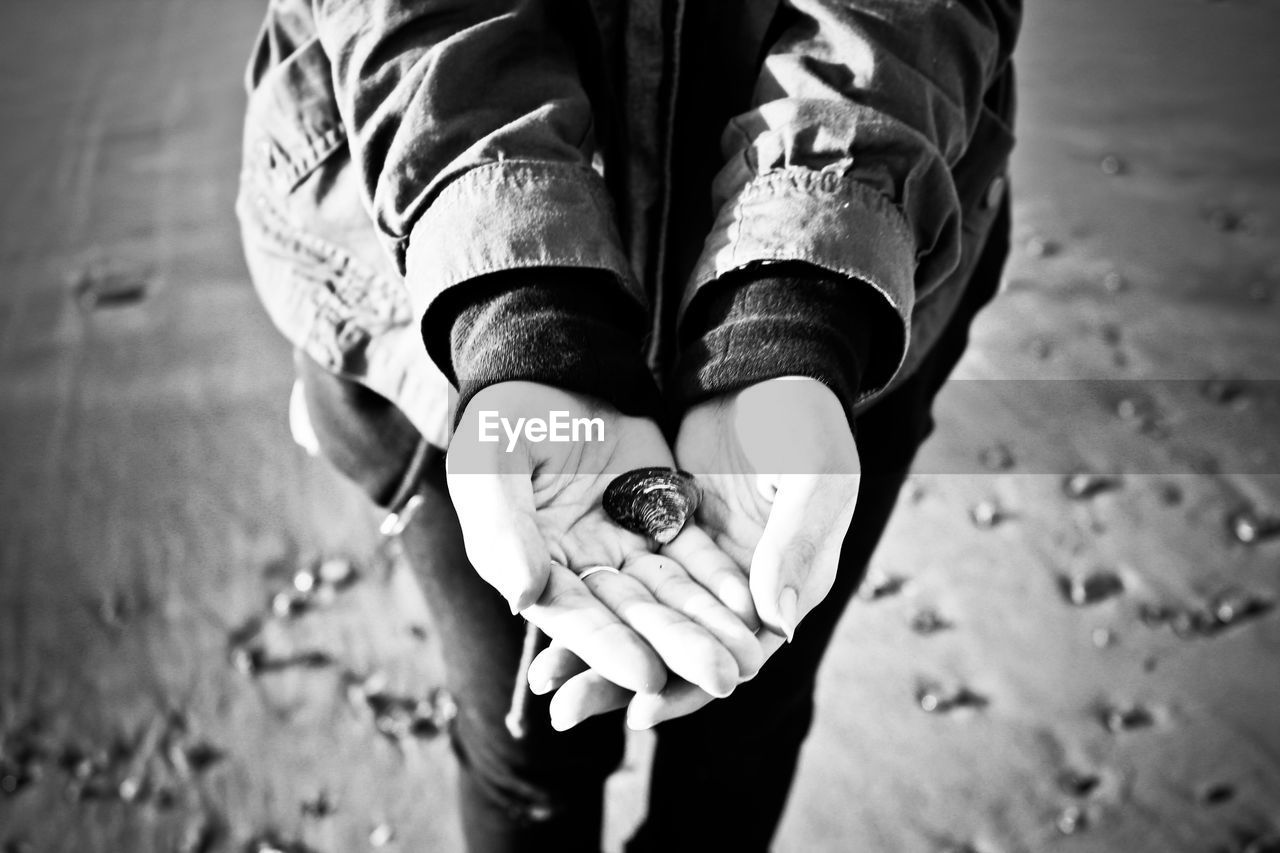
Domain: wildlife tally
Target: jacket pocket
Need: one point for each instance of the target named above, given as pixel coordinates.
(292, 124)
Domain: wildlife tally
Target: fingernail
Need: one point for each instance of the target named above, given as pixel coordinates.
(726, 677)
(787, 600)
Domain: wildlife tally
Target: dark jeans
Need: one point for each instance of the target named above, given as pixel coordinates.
(720, 776)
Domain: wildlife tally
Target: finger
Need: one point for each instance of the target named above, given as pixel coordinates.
(583, 696)
(671, 585)
(715, 571)
(679, 698)
(552, 667)
(575, 618)
(688, 649)
(496, 513)
(795, 561)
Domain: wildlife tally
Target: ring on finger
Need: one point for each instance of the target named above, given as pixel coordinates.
(588, 572)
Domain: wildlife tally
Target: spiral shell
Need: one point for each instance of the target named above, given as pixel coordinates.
(654, 502)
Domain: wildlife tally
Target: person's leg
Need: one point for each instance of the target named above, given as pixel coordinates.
(544, 791)
(721, 776)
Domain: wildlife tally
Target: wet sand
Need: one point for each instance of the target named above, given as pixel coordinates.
(1031, 668)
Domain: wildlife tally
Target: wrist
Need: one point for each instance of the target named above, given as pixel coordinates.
(752, 327)
(570, 329)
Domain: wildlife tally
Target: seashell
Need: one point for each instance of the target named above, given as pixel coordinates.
(654, 502)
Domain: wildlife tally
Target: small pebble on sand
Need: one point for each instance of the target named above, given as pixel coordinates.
(1224, 392)
(987, 514)
(1269, 843)
(882, 586)
(1078, 784)
(1225, 219)
(1071, 820)
(102, 287)
(1082, 485)
(382, 835)
(337, 572)
(934, 699)
(997, 457)
(1114, 282)
(1113, 165)
(929, 621)
(1040, 247)
(1118, 719)
(1249, 526)
(319, 806)
(1217, 794)
(1091, 588)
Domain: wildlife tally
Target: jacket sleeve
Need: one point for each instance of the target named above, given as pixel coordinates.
(473, 135)
(861, 111)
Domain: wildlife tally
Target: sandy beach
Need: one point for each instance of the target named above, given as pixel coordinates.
(1071, 637)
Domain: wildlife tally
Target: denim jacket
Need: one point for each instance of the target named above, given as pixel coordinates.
(395, 149)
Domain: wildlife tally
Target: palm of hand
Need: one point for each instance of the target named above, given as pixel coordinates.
(631, 625)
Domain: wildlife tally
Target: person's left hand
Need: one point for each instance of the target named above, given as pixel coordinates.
(780, 473)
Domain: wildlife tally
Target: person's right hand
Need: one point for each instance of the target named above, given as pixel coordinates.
(780, 472)
(532, 522)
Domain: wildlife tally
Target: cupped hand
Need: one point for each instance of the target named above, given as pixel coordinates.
(530, 511)
(780, 472)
